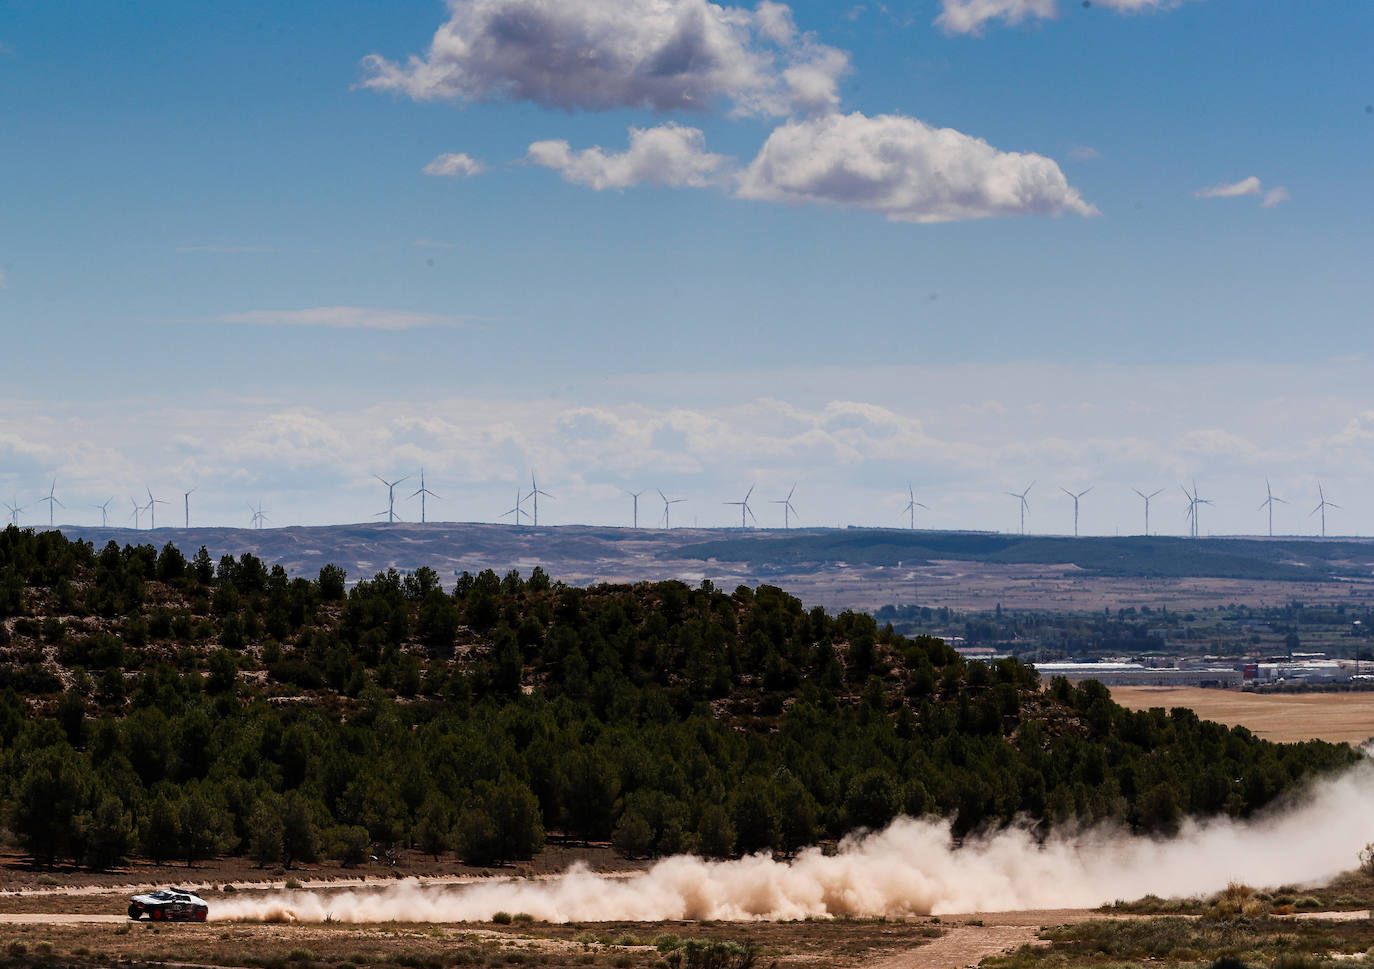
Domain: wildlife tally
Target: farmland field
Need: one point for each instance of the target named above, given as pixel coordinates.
(1282, 717)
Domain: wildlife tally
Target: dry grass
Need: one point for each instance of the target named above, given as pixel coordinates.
(803, 945)
(1282, 717)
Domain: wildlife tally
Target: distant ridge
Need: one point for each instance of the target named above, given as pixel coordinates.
(837, 567)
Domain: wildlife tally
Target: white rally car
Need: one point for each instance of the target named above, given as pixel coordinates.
(169, 905)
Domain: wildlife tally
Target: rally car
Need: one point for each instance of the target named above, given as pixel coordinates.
(169, 905)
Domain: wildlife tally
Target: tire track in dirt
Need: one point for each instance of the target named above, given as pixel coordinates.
(971, 938)
(962, 946)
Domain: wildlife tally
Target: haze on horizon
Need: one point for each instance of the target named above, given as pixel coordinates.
(268, 254)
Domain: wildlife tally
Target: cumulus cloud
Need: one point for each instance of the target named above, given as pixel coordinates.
(670, 154)
(1275, 196)
(1246, 186)
(970, 16)
(604, 54)
(455, 165)
(342, 317)
(906, 170)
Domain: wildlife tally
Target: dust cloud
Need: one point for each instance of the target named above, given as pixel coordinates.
(910, 868)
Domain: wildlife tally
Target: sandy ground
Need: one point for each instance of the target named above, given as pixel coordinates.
(1281, 717)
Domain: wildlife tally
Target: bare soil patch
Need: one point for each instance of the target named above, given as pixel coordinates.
(1282, 717)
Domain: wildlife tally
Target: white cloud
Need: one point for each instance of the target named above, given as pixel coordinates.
(1084, 153)
(970, 16)
(906, 170)
(1275, 196)
(455, 165)
(1246, 186)
(670, 154)
(604, 54)
(342, 317)
(852, 438)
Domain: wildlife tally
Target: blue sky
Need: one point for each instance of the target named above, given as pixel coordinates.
(965, 243)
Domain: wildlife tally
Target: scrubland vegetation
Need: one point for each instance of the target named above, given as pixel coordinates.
(1238, 928)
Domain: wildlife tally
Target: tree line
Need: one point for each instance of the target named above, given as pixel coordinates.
(180, 708)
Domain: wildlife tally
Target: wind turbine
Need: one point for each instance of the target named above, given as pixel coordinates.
(1147, 506)
(519, 507)
(422, 491)
(1025, 505)
(51, 499)
(667, 506)
(787, 509)
(152, 508)
(635, 496)
(15, 509)
(535, 493)
(259, 516)
(744, 508)
(1075, 498)
(104, 511)
(138, 510)
(1193, 503)
(390, 497)
(1268, 502)
(913, 504)
(186, 498)
(1322, 506)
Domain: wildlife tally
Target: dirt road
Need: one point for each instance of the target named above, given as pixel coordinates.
(48, 918)
(966, 942)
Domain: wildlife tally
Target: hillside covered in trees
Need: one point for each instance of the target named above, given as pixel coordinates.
(183, 707)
